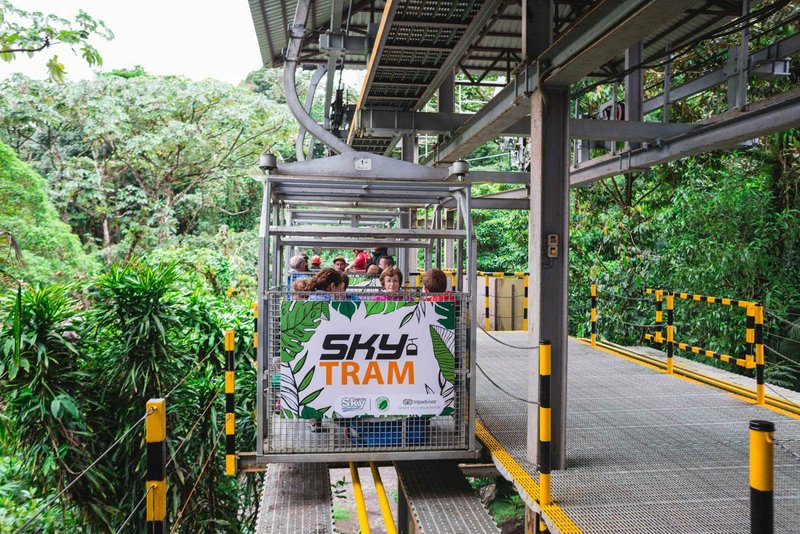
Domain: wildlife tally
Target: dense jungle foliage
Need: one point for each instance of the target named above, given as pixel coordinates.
(131, 201)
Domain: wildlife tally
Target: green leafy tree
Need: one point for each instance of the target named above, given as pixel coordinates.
(132, 161)
(31, 227)
(31, 32)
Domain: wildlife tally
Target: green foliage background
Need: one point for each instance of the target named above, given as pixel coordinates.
(132, 199)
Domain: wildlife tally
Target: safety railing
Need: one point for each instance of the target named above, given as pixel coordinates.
(663, 333)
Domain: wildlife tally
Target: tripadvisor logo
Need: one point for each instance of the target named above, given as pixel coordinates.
(382, 403)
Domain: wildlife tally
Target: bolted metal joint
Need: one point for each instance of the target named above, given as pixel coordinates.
(267, 161)
(459, 168)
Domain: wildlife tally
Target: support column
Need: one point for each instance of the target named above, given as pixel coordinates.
(548, 245)
(549, 215)
(633, 87)
(407, 257)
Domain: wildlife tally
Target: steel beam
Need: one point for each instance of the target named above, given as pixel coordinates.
(778, 50)
(447, 68)
(605, 31)
(610, 130)
(361, 166)
(351, 243)
(508, 107)
(389, 11)
(481, 203)
(609, 28)
(398, 233)
(762, 118)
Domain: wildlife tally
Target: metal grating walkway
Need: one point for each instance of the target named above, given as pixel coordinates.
(296, 498)
(646, 452)
(440, 499)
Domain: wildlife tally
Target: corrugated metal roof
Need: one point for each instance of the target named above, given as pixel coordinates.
(423, 34)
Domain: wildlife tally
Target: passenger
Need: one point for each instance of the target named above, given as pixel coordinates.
(301, 286)
(377, 252)
(359, 261)
(299, 264)
(391, 280)
(435, 281)
(373, 271)
(327, 281)
(316, 263)
(385, 262)
(340, 264)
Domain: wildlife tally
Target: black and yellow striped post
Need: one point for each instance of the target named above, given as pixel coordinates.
(543, 452)
(759, 350)
(670, 330)
(486, 301)
(230, 416)
(593, 317)
(659, 337)
(453, 281)
(762, 477)
(254, 307)
(525, 305)
(750, 334)
(155, 435)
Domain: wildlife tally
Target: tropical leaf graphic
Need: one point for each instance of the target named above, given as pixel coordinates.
(345, 307)
(447, 311)
(443, 355)
(298, 323)
(378, 307)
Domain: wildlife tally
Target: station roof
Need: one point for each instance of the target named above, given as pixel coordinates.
(420, 42)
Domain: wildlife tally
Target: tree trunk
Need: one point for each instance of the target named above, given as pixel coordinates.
(107, 240)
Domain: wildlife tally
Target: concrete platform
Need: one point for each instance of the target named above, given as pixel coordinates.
(646, 452)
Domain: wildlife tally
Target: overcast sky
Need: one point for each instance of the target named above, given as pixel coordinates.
(197, 39)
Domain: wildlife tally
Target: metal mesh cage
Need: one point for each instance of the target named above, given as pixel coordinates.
(294, 425)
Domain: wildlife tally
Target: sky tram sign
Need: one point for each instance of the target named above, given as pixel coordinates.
(367, 358)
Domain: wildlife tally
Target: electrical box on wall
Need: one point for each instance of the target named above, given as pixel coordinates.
(552, 245)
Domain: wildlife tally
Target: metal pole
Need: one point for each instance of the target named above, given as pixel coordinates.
(230, 415)
(759, 346)
(513, 307)
(545, 425)
(262, 311)
(593, 317)
(156, 438)
(525, 303)
(762, 477)
(667, 83)
(659, 337)
(744, 57)
(670, 331)
(486, 301)
(750, 337)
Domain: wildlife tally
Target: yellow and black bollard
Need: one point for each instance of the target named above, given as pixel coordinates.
(670, 330)
(525, 305)
(593, 316)
(155, 432)
(486, 301)
(545, 418)
(762, 477)
(750, 335)
(659, 337)
(230, 416)
(254, 306)
(759, 346)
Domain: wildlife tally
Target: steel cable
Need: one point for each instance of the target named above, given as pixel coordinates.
(194, 486)
(138, 504)
(193, 369)
(80, 475)
(508, 344)
(498, 386)
(188, 434)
